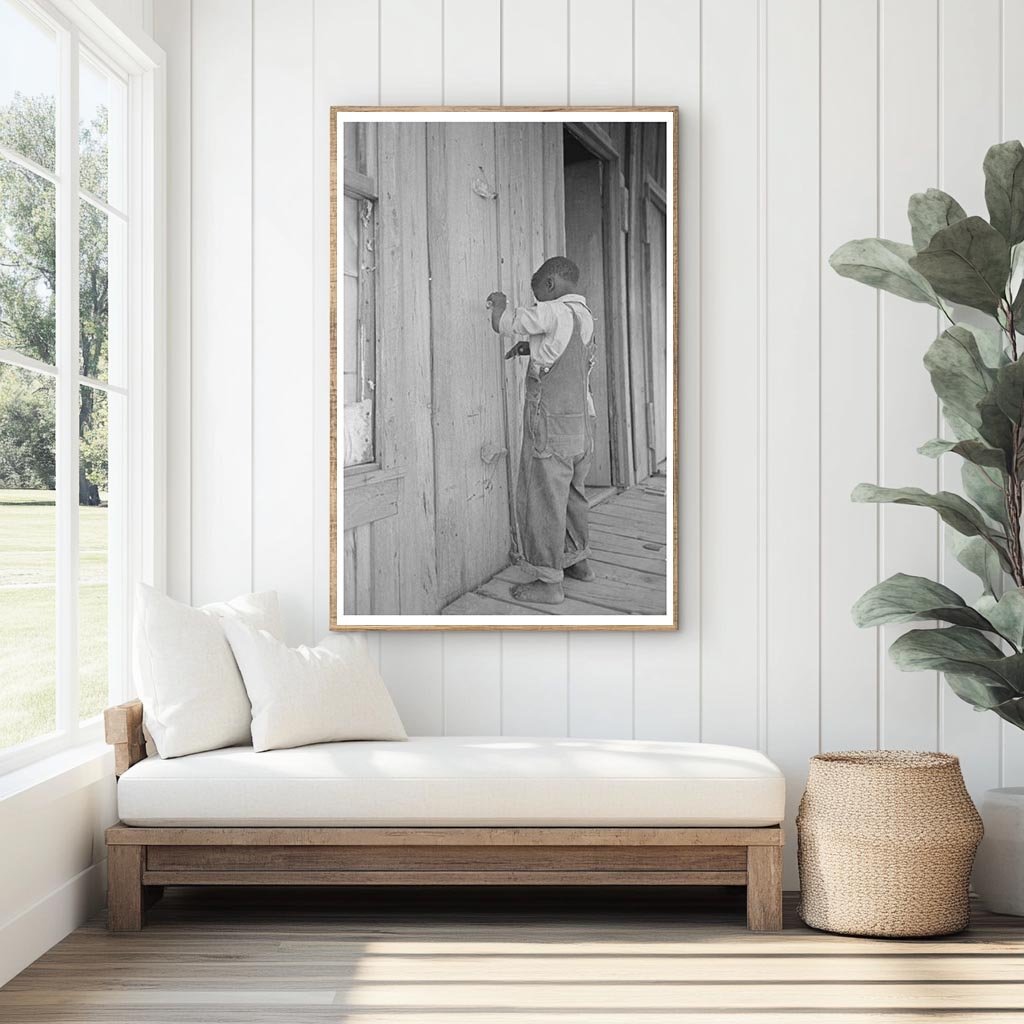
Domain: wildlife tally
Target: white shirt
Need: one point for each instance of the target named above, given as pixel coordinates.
(548, 326)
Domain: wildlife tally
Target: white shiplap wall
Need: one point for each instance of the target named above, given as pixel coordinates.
(804, 123)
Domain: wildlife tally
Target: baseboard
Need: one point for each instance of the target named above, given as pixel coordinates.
(26, 937)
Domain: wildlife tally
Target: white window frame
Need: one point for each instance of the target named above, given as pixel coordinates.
(140, 64)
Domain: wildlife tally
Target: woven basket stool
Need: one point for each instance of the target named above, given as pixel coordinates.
(886, 840)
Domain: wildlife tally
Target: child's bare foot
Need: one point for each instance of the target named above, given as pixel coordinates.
(580, 571)
(539, 592)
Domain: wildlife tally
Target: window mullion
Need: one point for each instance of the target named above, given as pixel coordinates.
(67, 386)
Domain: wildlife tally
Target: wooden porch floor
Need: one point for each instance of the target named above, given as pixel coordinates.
(628, 541)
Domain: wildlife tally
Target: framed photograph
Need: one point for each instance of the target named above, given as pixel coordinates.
(504, 384)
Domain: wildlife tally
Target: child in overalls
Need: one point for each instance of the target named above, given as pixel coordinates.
(558, 428)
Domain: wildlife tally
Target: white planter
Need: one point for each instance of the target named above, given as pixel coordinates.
(999, 867)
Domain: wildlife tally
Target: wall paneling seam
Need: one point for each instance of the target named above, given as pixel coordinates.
(880, 652)
(761, 398)
(252, 293)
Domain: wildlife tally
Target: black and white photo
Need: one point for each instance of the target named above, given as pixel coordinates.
(503, 343)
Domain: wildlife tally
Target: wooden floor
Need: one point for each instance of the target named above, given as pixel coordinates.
(628, 541)
(597, 956)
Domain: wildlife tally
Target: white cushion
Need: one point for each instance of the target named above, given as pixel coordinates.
(191, 691)
(457, 780)
(309, 694)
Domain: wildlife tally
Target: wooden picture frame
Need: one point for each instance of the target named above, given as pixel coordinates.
(431, 210)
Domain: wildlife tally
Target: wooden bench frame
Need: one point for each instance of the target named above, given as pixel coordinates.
(142, 860)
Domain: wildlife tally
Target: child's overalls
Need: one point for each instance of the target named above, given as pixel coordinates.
(558, 447)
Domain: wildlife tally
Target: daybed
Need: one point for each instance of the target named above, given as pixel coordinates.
(444, 811)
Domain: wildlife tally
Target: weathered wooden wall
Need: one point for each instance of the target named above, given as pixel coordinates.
(389, 555)
(462, 212)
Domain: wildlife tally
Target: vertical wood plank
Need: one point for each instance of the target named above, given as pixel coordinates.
(534, 694)
(472, 52)
(411, 52)
(472, 75)
(172, 29)
(520, 222)
(601, 685)
(1012, 127)
(601, 52)
(909, 542)
(969, 111)
(472, 684)
(534, 63)
(414, 674)
(792, 418)
(472, 511)
(849, 372)
(364, 569)
(667, 665)
(222, 496)
(283, 302)
(412, 71)
(729, 359)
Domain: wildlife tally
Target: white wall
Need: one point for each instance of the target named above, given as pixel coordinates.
(804, 123)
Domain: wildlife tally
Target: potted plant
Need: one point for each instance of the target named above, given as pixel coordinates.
(977, 372)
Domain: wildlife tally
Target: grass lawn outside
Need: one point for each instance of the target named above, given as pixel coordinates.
(28, 613)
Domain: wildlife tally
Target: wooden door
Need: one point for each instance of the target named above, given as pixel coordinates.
(471, 488)
(657, 241)
(584, 245)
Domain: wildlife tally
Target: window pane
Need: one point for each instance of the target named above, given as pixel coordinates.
(94, 532)
(101, 122)
(356, 330)
(28, 263)
(101, 278)
(28, 85)
(28, 545)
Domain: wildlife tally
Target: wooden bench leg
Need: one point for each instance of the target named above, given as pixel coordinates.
(764, 888)
(125, 896)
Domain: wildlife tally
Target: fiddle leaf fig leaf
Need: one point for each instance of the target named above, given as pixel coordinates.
(930, 212)
(952, 509)
(1006, 614)
(1009, 390)
(963, 652)
(1004, 189)
(958, 371)
(962, 430)
(883, 264)
(967, 263)
(982, 693)
(996, 428)
(990, 345)
(977, 556)
(903, 598)
(984, 486)
(1016, 281)
(973, 451)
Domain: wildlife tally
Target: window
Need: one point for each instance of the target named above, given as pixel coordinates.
(359, 294)
(70, 371)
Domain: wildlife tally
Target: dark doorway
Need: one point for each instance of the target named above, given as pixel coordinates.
(585, 233)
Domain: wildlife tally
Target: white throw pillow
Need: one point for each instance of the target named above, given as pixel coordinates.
(309, 694)
(192, 693)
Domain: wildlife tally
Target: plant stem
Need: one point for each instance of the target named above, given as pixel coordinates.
(1012, 495)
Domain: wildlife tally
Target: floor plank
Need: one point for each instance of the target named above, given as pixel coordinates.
(628, 544)
(499, 956)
